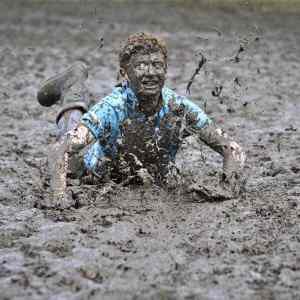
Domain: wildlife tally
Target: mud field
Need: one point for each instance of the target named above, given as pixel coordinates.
(147, 243)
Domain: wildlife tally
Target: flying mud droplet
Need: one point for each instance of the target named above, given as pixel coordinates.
(100, 42)
(216, 92)
(201, 63)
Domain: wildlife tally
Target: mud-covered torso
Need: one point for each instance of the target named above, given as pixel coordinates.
(131, 140)
(151, 142)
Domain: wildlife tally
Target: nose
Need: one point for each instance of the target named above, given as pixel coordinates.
(151, 69)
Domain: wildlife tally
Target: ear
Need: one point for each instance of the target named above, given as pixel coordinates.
(166, 66)
(123, 73)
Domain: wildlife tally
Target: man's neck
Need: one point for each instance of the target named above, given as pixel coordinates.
(150, 105)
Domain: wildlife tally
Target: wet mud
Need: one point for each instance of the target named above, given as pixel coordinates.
(145, 242)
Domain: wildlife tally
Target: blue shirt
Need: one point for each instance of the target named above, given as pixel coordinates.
(105, 119)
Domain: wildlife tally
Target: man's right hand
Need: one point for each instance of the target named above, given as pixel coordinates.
(58, 165)
(61, 200)
(56, 200)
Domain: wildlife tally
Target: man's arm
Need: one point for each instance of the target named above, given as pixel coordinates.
(198, 123)
(71, 143)
(234, 156)
(218, 140)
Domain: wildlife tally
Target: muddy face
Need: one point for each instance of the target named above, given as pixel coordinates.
(146, 74)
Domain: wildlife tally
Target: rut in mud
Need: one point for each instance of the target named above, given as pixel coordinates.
(147, 243)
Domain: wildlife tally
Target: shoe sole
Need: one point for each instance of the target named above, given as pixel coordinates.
(51, 90)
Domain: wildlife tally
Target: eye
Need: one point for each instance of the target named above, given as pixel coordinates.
(140, 65)
(158, 65)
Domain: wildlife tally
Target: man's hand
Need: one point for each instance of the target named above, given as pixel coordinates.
(234, 160)
(232, 179)
(58, 166)
(61, 200)
(233, 183)
(56, 200)
(58, 160)
(234, 156)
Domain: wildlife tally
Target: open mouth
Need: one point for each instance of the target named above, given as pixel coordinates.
(150, 84)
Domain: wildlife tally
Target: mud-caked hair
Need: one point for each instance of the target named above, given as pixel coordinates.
(143, 43)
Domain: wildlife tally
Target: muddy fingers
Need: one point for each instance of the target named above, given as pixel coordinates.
(58, 166)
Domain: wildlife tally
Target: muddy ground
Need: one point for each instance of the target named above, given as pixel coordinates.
(147, 243)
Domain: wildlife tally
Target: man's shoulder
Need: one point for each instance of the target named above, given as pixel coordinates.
(113, 102)
(169, 95)
(114, 99)
(111, 108)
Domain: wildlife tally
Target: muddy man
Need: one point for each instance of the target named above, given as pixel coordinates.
(133, 134)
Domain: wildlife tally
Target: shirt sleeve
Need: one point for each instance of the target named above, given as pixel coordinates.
(101, 120)
(199, 117)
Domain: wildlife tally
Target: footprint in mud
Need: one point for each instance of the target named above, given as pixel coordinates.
(91, 272)
(10, 236)
(29, 250)
(7, 241)
(59, 248)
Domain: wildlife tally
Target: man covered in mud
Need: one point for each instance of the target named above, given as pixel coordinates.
(133, 134)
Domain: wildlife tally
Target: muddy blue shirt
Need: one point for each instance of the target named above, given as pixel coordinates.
(105, 118)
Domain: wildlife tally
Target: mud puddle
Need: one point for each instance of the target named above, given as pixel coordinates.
(147, 243)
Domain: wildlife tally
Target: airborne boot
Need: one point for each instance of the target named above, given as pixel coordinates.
(68, 88)
(52, 90)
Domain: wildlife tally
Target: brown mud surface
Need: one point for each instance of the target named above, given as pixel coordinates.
(146, 243)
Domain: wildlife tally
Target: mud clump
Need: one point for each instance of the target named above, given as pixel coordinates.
(126, 242)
